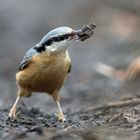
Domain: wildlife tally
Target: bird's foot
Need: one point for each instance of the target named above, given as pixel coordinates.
(60, 117)
(12, 114)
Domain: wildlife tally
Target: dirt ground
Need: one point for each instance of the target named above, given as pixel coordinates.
(113, 120)
(116, 119)
(95, 107)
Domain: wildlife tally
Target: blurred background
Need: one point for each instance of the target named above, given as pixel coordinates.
(116, 42)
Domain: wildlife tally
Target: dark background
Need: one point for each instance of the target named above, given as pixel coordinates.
(116, 42)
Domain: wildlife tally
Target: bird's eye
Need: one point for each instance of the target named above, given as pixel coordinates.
(67, 36)
(56, 39)
(61, 38)
(49, 42)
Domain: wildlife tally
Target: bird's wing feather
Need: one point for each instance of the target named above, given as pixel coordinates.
(27, 59)
(69, 68)
(68, 58)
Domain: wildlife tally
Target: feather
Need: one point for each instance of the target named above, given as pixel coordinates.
(27, 58)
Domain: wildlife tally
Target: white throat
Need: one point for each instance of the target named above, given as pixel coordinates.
(58, 46)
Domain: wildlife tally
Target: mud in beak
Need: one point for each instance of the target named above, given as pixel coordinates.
(86, 32)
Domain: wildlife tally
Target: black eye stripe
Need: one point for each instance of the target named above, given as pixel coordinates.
(60, 38)
(56, 39)
(40, 49)
(51, 40)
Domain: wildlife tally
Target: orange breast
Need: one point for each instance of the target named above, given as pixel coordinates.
(45, 73)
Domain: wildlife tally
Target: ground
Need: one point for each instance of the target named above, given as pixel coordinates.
(96, 107)
(111, 120)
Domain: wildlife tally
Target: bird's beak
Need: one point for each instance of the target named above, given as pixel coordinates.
(74, 36)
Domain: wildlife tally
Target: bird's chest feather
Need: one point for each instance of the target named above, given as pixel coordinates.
(46, 73)
(49, 67)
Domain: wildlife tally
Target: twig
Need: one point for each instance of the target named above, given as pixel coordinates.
(115, 117)
(69, 127)
(132, 102)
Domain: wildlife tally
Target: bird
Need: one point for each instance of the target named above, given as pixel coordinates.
(45, 66)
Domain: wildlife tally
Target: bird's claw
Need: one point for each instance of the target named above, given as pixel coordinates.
(60, 117)
(12, 114)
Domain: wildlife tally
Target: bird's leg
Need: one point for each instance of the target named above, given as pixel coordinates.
(57, 100)
(21, 92)
(12, 113)
(61, 115)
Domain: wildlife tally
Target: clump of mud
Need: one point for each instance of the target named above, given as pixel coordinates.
(86, 32)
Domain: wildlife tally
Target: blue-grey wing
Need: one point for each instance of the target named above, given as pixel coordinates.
(27, 59)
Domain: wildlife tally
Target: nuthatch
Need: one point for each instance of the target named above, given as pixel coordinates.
(46, 65)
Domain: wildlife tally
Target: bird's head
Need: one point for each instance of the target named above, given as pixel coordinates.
(58, 39)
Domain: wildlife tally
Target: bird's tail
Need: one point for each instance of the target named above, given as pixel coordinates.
(109, 71)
